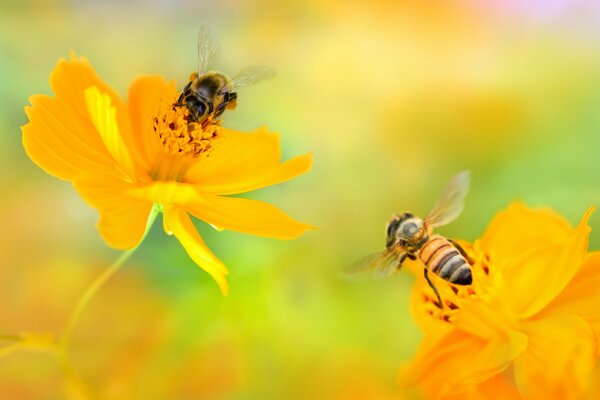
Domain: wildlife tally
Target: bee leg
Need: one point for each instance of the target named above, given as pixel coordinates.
(184, 92)
(232, 101)
(400, 261)
(462, 251)
(403, 257)
(426, 274)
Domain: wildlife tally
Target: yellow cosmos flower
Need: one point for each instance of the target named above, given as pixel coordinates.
(125, 157)
(528, 326)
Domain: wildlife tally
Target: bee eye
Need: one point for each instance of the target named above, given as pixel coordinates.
(392, 227)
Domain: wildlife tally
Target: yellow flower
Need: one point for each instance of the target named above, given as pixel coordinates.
(527, 327)
(125, 157)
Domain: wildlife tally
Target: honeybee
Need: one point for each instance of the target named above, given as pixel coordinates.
(411, 237)
(208, 94)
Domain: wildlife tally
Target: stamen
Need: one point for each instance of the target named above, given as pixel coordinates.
(180, 137)
(456, 295)
(451, 305)
(485, 268)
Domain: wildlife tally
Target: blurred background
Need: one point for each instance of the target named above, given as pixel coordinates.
(392, 97)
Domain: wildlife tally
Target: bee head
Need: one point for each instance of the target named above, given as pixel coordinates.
(403, 227)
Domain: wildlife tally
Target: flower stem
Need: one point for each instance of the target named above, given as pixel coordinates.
(65, 338)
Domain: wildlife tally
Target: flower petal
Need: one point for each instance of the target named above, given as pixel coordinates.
(519, 229)
(484, 318)
(241, 162)
(499, 387)
(71, 78)
(61, 143)
(539, 275)
(60, 137)
(439, 367)
(582, 295)
(242, 215)
(561, 354)
(102, 115)
(247, 216)
(123, 217)
(177, 222)
(145, 93)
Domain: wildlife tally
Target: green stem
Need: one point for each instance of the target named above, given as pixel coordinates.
(65, 338)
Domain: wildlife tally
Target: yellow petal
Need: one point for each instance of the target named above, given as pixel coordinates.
(71, 78)
(44, 342)
(247, 216)
(537, 276)
(241, 162)
(29, 341)
(440, 367)
(560, 356)
(498, 387)
(123, 216)
(484, 318)
(103, 117)
(582, 295)
(519, 229)
(178, 223)
(61, 143)
(242, 215)
(145, 93)
(167, 193)
(60, 136)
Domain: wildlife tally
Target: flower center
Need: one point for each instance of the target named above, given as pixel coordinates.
(453, 295)
(180, 137)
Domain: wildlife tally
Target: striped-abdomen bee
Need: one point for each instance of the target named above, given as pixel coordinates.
(208, 94)
(411, 237)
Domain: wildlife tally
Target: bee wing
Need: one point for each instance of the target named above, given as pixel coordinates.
(250, 76)
(378, 265)
(452, 201)
(208, 48)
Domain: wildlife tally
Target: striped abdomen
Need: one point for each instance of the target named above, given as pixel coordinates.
(443, 259)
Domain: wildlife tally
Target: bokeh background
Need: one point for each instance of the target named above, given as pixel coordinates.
(392, 97)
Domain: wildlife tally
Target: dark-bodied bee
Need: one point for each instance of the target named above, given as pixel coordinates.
(209, 93)
(411, 237)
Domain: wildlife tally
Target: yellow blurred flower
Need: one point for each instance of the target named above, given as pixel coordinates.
(125, 157)
(526, 328)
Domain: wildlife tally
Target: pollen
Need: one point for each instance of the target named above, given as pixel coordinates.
(181, 137)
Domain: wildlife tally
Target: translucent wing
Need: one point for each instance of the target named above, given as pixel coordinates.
(452, 201)
(250, 76)
(378, 265)
(208, 48)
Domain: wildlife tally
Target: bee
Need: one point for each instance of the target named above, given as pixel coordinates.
(208, 94)
(411, 237)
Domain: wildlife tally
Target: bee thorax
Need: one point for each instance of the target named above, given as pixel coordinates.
(207, 88)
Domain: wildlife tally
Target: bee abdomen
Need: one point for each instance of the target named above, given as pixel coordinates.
(462, 275)
(444, 260)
